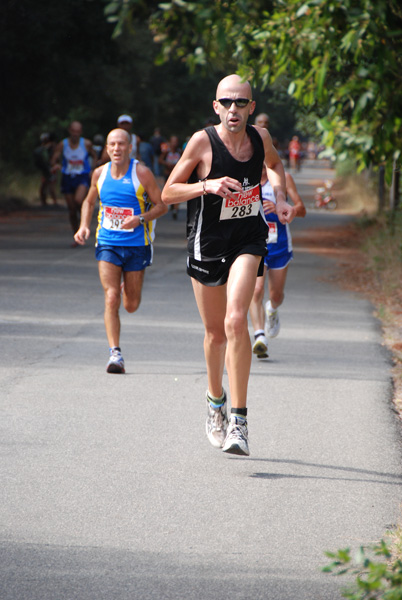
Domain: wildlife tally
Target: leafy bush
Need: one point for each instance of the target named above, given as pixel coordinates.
(378, 573)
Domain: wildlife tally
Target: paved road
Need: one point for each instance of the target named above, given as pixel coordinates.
(110, 490)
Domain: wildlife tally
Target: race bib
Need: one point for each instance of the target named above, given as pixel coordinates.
(272, 232)
(75, 167)
(113, 218)
(241, 205)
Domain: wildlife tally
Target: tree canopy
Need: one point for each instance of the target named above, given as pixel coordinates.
(60, 63)
(341, 59)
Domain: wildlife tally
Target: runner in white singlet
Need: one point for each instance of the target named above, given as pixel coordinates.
(266, 324)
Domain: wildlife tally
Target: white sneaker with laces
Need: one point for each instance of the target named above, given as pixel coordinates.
(216, 423)
(260, 346)
(272, 324)
(237, 438)
(116, 362)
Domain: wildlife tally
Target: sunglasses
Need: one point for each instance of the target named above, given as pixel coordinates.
(240, 102)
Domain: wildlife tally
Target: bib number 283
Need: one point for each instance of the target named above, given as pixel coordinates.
(239, 206)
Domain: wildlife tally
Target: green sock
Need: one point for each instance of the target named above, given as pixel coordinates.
(216, 402)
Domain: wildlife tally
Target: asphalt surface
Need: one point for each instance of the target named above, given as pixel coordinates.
(110, 489)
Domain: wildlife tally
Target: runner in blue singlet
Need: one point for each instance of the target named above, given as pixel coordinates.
(74, 153)
(130, 201)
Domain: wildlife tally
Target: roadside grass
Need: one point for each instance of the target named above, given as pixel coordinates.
(377, 572)
(372, 262)
(381, 246)
(374, 268)
(396, 542)
(18, 189)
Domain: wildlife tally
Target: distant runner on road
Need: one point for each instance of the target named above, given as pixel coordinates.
(74, 152)
(280, 253)
(221, 167)
(130, 201)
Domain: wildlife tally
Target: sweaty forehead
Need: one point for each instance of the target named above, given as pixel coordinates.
(118, 135)
(231, 87)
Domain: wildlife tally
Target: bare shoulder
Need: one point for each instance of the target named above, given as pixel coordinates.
(143, 170)
(264, 133)
(197, 150)
(145, 174)
(266, 139)
(96, 174)
(198, 142)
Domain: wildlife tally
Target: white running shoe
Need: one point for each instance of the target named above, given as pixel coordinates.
(116, 362)
(272, 324)
(216, 423)
(260, 346)
(237, 438)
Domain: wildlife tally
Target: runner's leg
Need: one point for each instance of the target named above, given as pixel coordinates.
(276, 286)
(211, 302)
(78, 199)
(72, 212)
(133, 281)
(110, 277)
(257, 313)
(240, 288)
(52, 189)
(43, 191)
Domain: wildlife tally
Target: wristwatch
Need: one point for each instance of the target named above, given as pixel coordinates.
(142, 220)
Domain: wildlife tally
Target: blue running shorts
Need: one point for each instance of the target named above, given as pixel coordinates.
(278, 262)
(69, 183)
(129, 258)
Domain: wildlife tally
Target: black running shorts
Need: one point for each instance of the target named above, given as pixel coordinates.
(216, 272)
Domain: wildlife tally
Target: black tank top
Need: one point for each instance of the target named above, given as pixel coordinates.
(213, 236)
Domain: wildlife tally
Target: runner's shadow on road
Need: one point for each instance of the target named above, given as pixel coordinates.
(392, 477)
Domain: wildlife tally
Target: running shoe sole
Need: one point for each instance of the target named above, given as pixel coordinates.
(259, 348)
(236, 441)
(113, 368)
(235, 449)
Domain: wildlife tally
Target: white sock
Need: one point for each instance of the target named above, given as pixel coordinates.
(258, 333)
(270, 308)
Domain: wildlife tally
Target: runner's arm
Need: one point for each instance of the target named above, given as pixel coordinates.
(149, 184)
(56, 156)
(276, 176)
(91, 151)
(196, 154)
(87, 210)
(293, 194)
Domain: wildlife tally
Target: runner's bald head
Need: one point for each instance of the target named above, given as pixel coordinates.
(233, 84)
(120, 131)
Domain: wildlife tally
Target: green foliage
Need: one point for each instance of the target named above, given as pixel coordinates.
(378, 574)
(55, 59)
(60, 63)
(343, 59)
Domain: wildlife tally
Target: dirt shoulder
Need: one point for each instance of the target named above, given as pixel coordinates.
(353, 271)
